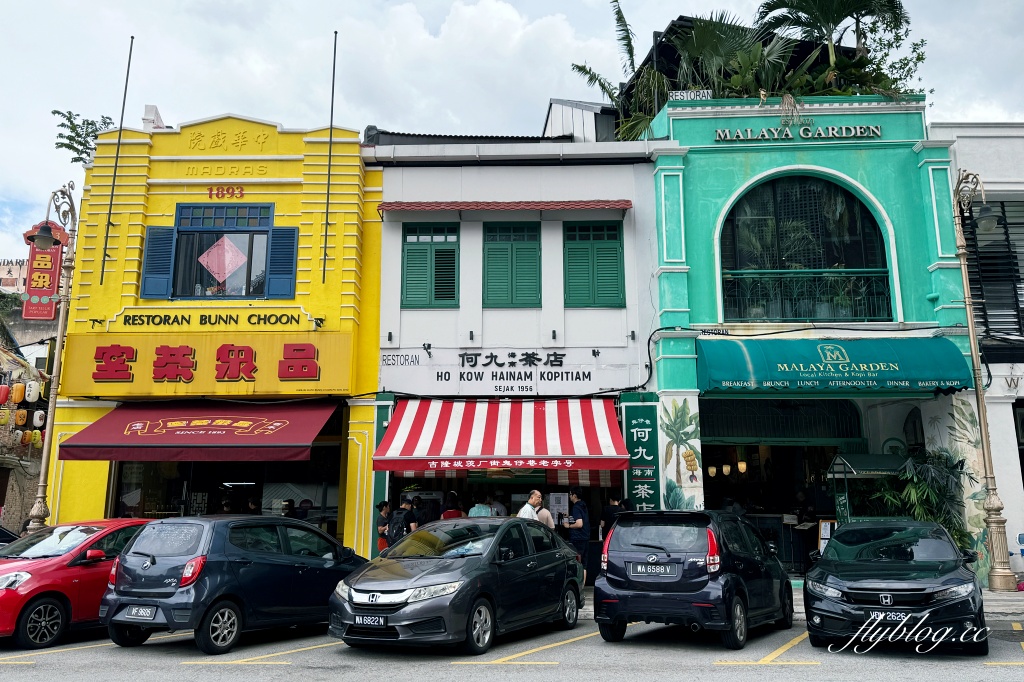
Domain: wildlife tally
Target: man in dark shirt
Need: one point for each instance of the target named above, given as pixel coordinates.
(608, 514)
(578, 523)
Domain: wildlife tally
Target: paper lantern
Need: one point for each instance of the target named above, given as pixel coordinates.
(37, 437)
(726, 469)
(712, 471)
(39, 418)
(16, 436)
(5, 416)
(20, 417)
(32, 391)
(18, 392)
(26, 437)
(5, 393)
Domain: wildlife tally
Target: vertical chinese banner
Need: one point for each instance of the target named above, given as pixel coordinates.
(682, 480)
(640, 422)
(42, 283)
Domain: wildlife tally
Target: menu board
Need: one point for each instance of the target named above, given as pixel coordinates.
(825, 529)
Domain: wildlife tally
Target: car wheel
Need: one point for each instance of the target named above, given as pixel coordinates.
(817, 641)
(736, 636)
(570, 609)
(612, 632)
(220, 628)
(128, 635)
(480, 628)
(41, 624)
(785, 619)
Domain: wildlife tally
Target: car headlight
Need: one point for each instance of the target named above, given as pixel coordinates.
(954, 592)
(421, 593)
(824, 590)
(343, 591)
(9, 581)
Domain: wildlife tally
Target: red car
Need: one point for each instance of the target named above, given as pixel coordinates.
(55, 578)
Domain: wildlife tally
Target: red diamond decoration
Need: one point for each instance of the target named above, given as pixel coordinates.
(222, 259)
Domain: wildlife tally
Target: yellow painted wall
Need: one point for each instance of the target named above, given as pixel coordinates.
(158, 170)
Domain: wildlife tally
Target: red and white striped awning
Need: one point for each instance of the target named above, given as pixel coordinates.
(436, 435)
(450, 473)
(585, 479)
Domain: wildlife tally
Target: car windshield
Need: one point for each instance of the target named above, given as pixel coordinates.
(168, 539)
(666, 534)
(49, 542)
(890, 543)
(446, 540)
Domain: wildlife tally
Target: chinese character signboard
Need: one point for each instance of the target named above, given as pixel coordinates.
(42, 282)
(640, 421)
(208, 364)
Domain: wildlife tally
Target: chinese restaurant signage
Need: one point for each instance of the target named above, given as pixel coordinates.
(640, 421)
(208, 364)
(149, 319)
(803, 132)
(43, 280)
(504, 371)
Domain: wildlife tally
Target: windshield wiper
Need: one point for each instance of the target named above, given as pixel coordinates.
(150, 557)
(416, 556)
(643, 544)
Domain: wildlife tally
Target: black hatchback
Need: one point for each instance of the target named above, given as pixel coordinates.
(220, 575)
(702, 569)
(901, 576)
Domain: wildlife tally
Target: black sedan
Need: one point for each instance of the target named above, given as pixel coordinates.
(907, 577)
(460, 581)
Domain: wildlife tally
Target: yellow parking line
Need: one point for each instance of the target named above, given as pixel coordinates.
(770, 658)
(258, 660)
(508, 660)
(1015, 626)
(9, 661)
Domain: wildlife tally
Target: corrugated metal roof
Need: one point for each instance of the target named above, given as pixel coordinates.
(592, 204)
(375, 136)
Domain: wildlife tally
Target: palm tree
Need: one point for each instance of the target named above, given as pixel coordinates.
(826, 20)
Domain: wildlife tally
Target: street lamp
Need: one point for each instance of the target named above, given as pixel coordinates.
(43, 239)
(1000, 577)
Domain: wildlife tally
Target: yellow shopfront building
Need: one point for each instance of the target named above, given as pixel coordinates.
(222, 343)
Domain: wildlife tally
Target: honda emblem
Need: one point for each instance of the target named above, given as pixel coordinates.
(373, 597)
(886, 599)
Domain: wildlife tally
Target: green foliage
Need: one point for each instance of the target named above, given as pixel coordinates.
(929, 487)
(683, 431)
(676, 498)
(884, 44)
(9, 302)
(78, 135)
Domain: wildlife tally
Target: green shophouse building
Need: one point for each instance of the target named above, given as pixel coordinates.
(809, 305)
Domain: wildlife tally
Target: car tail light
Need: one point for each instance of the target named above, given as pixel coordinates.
(714, 561)
(604, 550)
(112, 578)
(192, 570)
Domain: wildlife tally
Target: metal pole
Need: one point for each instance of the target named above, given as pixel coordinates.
(1000, 577)
(62, 200)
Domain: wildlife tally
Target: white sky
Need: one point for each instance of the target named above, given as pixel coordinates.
(443, 66)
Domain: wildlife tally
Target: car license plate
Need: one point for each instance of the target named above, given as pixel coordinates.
(141, 612)
(654, 569)
(372, 621)
(898, 616)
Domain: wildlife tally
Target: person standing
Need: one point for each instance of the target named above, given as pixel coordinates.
(529, 510)
(608, 514)
(578, 524)
(499, 508)
(402, 522)
(452, 511)
(482, 507)
(255, 506)
(383, 517)
(544, 516)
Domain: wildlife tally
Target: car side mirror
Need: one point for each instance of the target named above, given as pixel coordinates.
(506, 554)
(815, 555)
(772, 549)
(94, 555)
(969, 556)
(346, 553)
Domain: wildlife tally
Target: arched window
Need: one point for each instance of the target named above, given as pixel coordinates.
(802, 248)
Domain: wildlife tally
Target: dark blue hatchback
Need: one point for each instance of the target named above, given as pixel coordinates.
(702, 569)
(220, 575)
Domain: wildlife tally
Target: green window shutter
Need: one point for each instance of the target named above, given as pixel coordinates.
(608, 276)
(446, 275)
(579, 285)
(526, 274)
(497, 274)
(416, 275)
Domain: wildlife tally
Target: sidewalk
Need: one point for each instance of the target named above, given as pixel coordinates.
(998, 605)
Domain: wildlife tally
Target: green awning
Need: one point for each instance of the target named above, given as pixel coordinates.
(865, 466)
(789, 366)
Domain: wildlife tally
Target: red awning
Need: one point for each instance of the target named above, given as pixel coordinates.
(201, 431)
(437, 435)
(586, 479)
(450, 473)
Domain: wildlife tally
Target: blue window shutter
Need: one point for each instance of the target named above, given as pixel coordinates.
(281, 262)
(157, 263)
